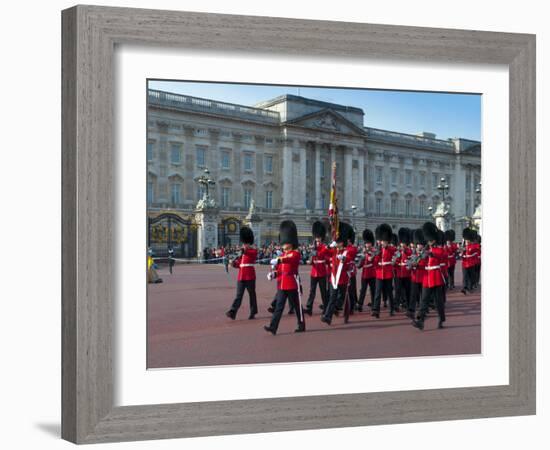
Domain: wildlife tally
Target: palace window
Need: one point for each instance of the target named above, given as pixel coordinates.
(150, 147)
(422, 208)
(269, 199)
(378, 175)
(408, 177)
(323, 201)
(308, 200)
(175, 153)
(423, 179)
(226, 192)
(175, 191)
(435, 180)
(268, 163)
(408, 203)
(226, 160)
(378, 207)
(247, 197)
(322, 174)
(201, 157)
(393, 176)
(248, 159)
(393, 206)
(150, 192)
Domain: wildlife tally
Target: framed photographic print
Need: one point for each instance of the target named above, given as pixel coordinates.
(265, 230)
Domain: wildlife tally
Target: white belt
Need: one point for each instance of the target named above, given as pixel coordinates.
(432, 267)
(385, 263)
(319, 262)
(442, 265)
(470, 256)
(368, 265)
(402, 264)
(247, 265)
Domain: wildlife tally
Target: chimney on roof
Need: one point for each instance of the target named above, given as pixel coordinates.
(426, 134)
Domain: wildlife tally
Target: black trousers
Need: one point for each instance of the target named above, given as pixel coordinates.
(322, 283)
(365, 284)
(403, 291)
(280, 300)
(416, 295)
(468, 275)
(250, 286)
(477, 273)
(336, 297)
(352, 292)
(435, 293)
(383, 288)
(451, 277)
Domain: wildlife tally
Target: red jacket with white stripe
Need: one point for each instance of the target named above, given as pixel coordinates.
(245, 263)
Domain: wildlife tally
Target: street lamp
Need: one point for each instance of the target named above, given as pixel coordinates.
(205, 181)
(443, 187)
(478, 193)
(353, 211)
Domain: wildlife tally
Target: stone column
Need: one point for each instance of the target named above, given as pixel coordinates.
(206, 216)
(287, 176)
(459, 189)
(348, 180)
(361, 193)
(317, 151)
(301, 183)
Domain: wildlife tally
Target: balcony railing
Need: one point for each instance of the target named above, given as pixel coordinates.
(188, 103)
(403, 138)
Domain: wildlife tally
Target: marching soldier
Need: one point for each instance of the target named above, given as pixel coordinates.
(452, 249)
(469, 254)
(286, 273)
(339, 278)
(402, 271)
(417, 263)
(352, 270)
(477, 260)
(318, 260)
(433, 283)
(247, 274)
(368, 273)
(384, 270)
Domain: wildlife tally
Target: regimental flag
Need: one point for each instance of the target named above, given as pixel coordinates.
(333, 206)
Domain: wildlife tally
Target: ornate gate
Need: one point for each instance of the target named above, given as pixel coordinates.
(228, 231)
(170, 230)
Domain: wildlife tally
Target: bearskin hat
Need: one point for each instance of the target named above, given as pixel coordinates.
(247, 235)
(288, 234)
(318, 230)
(418, 237)
(468, 234)
(440, 237)
(450, 235)
(345, 233)
(430, 231)
(383, 232)
(404, 235)
(368, 236)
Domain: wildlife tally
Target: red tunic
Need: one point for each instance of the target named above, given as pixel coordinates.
(384, 266)
(452, 249)
(401, 269)
(434, 274)
(418, 272)
(470, 255)
(367, 264)
(287, 269)
(245, 263)
(336, 264)
(319, 261)
(351, 268)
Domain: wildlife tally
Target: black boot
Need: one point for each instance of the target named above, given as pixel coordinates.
(325, 320)
(231, 314)
(301, 328)
(418, 324)
(251, 316)
(309, 311)
(270, 330)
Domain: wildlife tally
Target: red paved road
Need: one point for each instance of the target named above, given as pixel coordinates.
(187, 326)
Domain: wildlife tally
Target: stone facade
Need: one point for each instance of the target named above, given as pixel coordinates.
(280, 152)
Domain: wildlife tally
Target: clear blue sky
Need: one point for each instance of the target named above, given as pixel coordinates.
(447, 115)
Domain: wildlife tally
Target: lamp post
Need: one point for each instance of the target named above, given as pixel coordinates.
(205, 181)
(478, 193)
(443, 187)
(353, 211)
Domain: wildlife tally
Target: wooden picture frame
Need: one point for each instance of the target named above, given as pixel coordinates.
(90, 34)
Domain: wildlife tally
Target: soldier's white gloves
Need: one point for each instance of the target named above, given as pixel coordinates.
(333, 244)
(274, 262)
(341, 257)
(270, 276)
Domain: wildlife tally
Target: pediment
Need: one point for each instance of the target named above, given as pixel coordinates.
(328, 120)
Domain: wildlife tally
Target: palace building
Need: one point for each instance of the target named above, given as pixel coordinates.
(278, 154)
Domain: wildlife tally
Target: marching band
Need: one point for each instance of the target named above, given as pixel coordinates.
(410, 271)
